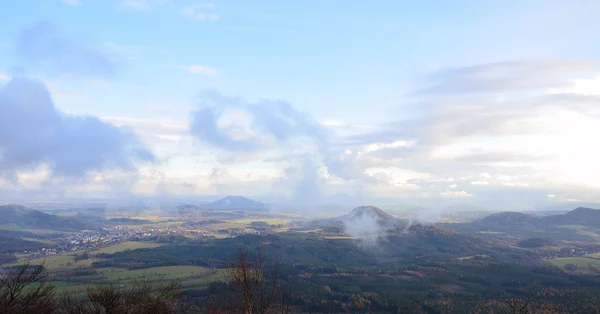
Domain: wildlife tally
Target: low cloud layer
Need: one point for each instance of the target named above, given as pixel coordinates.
(34, 133)
(498, 129)
(233, 124)
(266, 131)
(481, 134)
(504, 77)
(479, 131)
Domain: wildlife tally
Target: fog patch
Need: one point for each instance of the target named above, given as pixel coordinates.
(366, 229)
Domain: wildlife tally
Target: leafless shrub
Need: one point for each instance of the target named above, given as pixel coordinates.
(252, 288)
(25, 290)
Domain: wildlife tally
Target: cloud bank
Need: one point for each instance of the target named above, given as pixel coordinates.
(233, 124)
(34, 133)
(509, 133)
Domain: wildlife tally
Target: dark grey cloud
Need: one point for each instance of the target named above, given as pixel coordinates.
(507, 76)
(33, 132)
(45, 47)
(262, 124)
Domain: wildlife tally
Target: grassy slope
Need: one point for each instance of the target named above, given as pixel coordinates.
(582, 263)
(124, 246)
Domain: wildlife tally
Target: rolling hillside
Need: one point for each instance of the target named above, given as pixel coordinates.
(580, 216)
(27, 218)
(580, 224)
(361, 214)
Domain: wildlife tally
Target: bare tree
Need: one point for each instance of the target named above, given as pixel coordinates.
(25, 290)
(148, 297)
(144, 297)
(69, 303)
(252, 288)
(518, 306)
(107, 299)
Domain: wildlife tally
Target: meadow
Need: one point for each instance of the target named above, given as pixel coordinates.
(582, 262)
(124, 246)
(191, 277)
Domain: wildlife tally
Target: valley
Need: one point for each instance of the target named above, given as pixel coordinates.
(368, 254)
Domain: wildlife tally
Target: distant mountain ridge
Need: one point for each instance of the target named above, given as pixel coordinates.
(508, 218)
(579, 216)
(236, 202)
(28, 218)
(565, 226)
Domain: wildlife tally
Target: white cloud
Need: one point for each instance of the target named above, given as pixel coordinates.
(204, 70)
(397, 176)
(154, 130)
(377, 146)
(500, 139)
(333, 122)
(455, 194)
(582, 86)
(200, 12)
(500, 127)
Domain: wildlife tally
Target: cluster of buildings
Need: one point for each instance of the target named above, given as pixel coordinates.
(569, 252)
(65, 242)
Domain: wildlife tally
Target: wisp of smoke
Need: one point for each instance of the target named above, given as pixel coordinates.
(366, 228)
(408, 224)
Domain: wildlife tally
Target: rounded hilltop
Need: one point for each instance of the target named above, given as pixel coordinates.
(370, 211)
(508, 218)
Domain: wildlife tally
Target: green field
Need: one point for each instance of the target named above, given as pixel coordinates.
(59, 266)
(270, 221)
(192, 277)
(66, 261)
(245, 223)
(124, 246)
(38, 240)
(582, 263)
(582, 230)
(226, 225)
(166, 272)
(55, 262)
(472, 256)
(12, 227)
(594, 255)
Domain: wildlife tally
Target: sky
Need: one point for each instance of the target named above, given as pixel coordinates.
(490, 103)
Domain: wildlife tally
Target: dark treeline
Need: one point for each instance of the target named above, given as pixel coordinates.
(339, 276)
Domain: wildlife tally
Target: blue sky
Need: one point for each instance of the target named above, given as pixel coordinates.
(437, 101)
